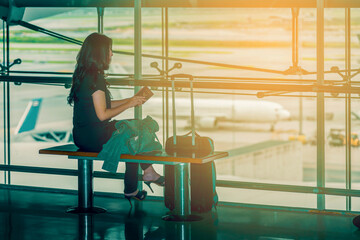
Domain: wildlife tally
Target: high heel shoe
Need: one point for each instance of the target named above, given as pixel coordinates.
(140, 196)
(160, 182)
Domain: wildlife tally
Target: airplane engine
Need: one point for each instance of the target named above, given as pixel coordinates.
(207, 122)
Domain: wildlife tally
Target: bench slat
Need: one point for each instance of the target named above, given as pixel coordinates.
(69, 149)
(72, 151)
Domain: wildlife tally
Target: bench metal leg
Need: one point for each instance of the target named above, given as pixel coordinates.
(182, 210)
(85, 189)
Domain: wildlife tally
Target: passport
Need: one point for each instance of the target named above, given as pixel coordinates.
(145, 92)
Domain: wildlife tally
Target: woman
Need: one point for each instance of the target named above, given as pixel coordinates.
(93, 109)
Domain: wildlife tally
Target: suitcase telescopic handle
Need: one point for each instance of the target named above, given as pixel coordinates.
(191, 78)
(182, 75)
(173, 107)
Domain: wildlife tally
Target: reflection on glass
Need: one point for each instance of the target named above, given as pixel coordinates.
(86, 227)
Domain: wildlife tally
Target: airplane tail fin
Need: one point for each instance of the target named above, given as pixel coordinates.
(357, 117)
(30, 116)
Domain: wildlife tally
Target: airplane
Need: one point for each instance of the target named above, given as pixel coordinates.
(209, 112)
(51, 132)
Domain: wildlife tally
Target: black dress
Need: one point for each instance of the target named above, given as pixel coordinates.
(90, 134)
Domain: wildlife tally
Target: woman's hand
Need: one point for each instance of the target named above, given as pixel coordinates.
(103, 113)
(136, 101)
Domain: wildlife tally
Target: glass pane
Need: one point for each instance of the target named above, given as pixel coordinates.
(44, 107)
(51, 54)
(336, 202)
(119, 25)
(262, 197)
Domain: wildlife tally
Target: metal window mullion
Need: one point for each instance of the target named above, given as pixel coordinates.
(287, 188)
(290, 209)
(167, 68)
(100, 20)
(58, 171)
(8, 101)
(4, 103)
(320, 104)
(348, 104)
(163, 68)
(137, 51)
(137, 61)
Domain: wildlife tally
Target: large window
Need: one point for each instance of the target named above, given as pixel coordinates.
(271, 140)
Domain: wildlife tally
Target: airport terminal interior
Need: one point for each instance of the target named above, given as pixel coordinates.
(270, 87)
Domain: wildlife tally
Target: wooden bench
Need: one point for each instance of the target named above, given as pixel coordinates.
(85, 175)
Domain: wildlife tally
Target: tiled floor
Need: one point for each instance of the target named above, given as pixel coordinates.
(41, 215)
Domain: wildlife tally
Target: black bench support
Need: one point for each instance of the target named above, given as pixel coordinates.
(85, 188)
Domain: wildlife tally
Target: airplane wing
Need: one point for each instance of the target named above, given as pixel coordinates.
(31, 14)
(14, 14)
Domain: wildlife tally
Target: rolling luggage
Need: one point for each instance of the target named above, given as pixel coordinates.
(202, 176)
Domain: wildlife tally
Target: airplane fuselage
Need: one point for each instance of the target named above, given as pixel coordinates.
(210, 111)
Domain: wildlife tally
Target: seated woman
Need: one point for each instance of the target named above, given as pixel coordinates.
(93, 109)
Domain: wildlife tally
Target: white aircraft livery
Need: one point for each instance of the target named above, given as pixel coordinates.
(209, 112)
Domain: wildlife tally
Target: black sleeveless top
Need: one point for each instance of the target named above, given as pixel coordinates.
(88, 131)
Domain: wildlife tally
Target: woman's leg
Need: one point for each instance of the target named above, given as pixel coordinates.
(131, 178)
(149, 173)
(144, 166)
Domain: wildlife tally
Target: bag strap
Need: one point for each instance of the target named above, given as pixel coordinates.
(196, 134)
(173, 107)
(192, 111)
(152, 132)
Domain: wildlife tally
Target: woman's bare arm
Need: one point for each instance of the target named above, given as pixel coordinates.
(116, 103)
(104, 113)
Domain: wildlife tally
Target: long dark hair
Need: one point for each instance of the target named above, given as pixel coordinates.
(93, 58)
